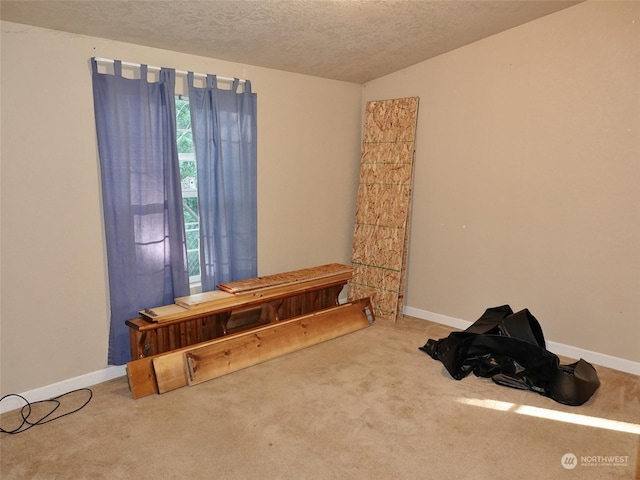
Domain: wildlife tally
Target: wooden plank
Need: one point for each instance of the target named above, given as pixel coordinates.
(383, 205)
(198, 299)
(168, 371)
(256, 296)
(286, 278)
(214, 360)
(142, 377)
(161, 314)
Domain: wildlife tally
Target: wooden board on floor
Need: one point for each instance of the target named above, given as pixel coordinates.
(142, 377)
(217, 359)
(229, 354)
(167, 371)
(383, 205)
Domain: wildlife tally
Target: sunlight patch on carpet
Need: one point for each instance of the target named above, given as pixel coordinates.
(586, 420)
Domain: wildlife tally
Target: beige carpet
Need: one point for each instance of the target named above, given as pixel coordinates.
(369, 405)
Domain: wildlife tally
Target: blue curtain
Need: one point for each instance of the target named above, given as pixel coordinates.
(223, 124)
(144, 226)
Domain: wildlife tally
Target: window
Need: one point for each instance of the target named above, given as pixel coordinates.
(188, 177)
(135, 109)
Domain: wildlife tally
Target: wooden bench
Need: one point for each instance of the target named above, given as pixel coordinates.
(235, 307)
(194, 364)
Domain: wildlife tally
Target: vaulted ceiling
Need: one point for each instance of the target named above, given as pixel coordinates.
(350, 40)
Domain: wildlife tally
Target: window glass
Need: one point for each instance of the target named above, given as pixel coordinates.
(188, 177)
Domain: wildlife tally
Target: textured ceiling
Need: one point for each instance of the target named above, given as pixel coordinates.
(351, 40)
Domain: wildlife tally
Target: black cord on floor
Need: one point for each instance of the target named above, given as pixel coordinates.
(26, 410)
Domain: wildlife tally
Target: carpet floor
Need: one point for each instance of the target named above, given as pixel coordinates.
(368, 405)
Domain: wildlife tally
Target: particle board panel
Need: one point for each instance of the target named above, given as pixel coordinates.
(383, 205)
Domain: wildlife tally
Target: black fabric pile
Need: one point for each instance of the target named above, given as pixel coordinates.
(510, 349)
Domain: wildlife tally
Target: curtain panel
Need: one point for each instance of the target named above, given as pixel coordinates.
(224, 128)
(144, 226)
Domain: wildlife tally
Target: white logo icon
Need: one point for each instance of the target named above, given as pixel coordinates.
(569, 461)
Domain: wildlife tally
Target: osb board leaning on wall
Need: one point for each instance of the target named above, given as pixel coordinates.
(383, 205)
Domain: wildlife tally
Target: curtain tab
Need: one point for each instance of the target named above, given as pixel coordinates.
(167, 75)
(212, 81)
(143, 73)
(190, 79)
(117, 68)
(247, 86)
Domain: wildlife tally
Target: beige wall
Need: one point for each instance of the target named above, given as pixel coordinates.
(54, 302)
(527, 176)
(526, 191)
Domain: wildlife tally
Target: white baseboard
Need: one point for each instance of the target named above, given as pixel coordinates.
(437, 318)
(50, 391)
(93, 378)
(557, 348)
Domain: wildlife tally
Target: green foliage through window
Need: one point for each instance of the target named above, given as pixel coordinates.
(189, 180)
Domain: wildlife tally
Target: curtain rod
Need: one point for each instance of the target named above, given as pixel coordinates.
(178, 72)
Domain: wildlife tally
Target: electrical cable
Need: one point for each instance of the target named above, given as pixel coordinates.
(28, 423)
